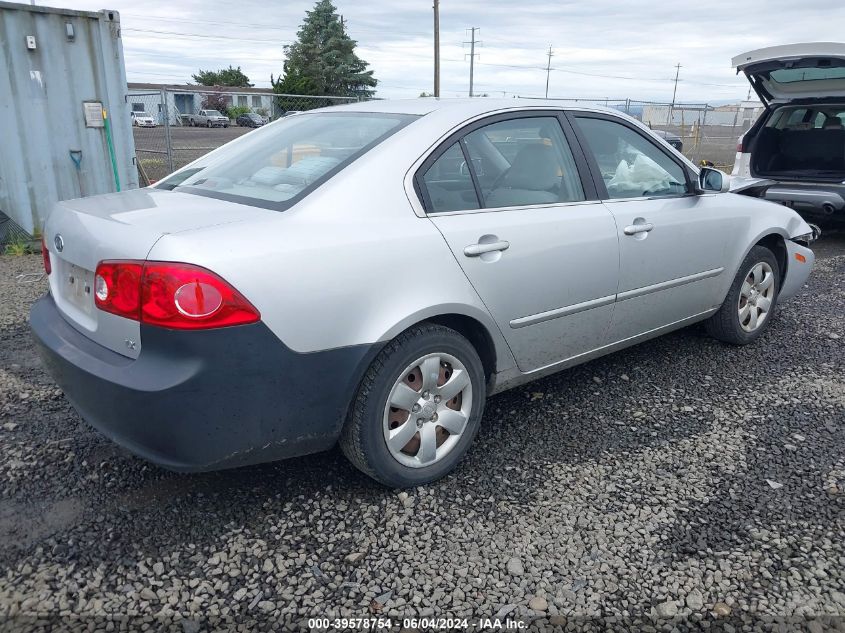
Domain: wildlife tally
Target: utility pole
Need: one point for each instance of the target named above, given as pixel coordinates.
(436, 48)
(472, 57)
(674, 93)
(548, 70)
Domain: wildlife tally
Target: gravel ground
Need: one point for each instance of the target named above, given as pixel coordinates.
(680, 482)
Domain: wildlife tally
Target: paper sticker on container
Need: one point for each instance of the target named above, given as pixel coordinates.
(93, 113)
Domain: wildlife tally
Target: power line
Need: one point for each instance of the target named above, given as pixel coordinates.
(265, 27)
(213, 37)
(548, 68)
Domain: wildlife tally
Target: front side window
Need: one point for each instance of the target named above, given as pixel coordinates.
(284, 161)
(630, 165)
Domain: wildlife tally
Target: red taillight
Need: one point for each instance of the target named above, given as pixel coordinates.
(187, 297)
(45, 255)
(117, 288)
(740, 145)
(171, 295)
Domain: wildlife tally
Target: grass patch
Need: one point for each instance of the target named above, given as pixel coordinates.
(18, 248)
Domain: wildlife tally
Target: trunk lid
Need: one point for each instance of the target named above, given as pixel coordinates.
(81, 233)
(780, 74)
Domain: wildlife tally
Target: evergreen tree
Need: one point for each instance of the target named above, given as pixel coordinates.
(224, 77)
(322, 61)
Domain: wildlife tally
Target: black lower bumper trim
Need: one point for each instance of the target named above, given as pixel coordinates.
(204, 400)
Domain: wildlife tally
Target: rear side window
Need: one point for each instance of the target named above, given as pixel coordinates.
(516, 162)
(522, 162)
(631, 165)
(276, 166)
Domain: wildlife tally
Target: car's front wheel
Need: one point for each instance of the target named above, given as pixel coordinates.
(750, 305)
(418, 408)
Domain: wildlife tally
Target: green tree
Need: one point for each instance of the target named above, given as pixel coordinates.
(224, 77)
(322, 61)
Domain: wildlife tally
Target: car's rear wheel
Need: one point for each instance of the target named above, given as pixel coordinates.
(750, 305)
(418, 408)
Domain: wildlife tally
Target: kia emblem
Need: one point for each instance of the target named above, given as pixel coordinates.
(59, 242)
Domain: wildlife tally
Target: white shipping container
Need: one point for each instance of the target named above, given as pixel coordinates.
(60, 69)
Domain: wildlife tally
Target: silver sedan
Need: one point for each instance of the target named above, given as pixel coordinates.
(369, 274)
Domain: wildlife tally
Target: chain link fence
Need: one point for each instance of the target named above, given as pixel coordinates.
(153, 151)
(173, 133)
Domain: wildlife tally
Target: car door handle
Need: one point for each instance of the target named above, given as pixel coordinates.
(633, 229)
(474, 250)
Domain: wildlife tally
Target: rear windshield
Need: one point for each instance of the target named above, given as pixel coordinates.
(278, 165)
(791, 75)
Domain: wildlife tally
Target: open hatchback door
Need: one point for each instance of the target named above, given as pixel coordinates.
(795, 71)
(794, 154)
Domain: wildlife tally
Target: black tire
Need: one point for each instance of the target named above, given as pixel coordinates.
(208, 124)
(362, 439)
(725, 325)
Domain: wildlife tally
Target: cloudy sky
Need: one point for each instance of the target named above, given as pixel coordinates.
(602, 48)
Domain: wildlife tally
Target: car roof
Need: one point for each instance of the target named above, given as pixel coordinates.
(462, 106)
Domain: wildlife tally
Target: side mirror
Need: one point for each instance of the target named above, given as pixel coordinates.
(713, 181)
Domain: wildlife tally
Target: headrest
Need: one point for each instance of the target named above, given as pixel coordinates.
(535, 167)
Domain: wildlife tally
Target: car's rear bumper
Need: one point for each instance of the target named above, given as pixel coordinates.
(203, 400)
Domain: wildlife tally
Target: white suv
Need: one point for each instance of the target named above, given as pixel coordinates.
(794, 153)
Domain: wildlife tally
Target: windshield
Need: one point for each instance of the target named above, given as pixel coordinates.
(276, 166)
(141, 114)
(212, 113)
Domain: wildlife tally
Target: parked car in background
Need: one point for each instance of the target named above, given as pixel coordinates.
(208, 118)
(250, 119)
(794, 153)
(670, 137)
(142, 119)
(370, 273)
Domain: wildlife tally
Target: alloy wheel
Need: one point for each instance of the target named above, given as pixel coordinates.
(427, 410)
(756, 296)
